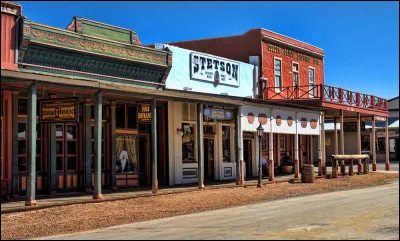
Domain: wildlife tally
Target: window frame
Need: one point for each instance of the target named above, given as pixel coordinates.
(23, 118)
(191, 124)
(296, 72)
(278, 88)
(311, 90)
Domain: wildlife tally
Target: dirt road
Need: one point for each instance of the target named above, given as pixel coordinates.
(368, 213)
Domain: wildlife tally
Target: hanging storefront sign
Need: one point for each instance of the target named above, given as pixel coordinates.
(218, 114)
(58, 110)
(391, 134)
(143, 112)
(362, 119)
(214, 69)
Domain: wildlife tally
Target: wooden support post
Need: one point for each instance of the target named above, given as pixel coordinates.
(366, 166)
(311, 150)
(342, 168)
(387, 165)
(14, 145)
(87, 145)
(334, 168)
(271, 153)
(31, 150)
(359, 164)
(351, 167)
(6, 141)
(242, 182)
(154, 180)
(278, 149)
(238, 145)
(98, 107)
(200, 149)
(373, 138)
(113, 135)
(239, 140)
(335, 138)
(323, 149)
(52, 152)
(296, 151)
(320, 148)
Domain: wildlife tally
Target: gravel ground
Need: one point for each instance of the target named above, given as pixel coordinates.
(83, 217)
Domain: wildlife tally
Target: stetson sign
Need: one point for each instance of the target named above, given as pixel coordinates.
(58, 110)
(213, 69)
(143, 112)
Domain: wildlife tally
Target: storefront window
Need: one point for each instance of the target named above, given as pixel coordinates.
(188, 143)
(282, 143)
(365, 142)
(22, 148)
(127, 154)
(131, 113)
(66, 147)
(380, 146)
(226, 143)
(120, 116)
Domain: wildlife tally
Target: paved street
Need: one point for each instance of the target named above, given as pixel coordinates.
(369, 213)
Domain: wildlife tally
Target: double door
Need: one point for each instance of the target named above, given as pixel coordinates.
(67, 157)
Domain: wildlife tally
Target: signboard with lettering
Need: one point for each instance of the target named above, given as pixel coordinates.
(362, 119)
(352, 126)
(391, 133)
(214, 69)
(143, 112)
(58, 110)
(218, 114)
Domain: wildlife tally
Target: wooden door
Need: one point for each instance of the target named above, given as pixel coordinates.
(248, 156)
(209, 159)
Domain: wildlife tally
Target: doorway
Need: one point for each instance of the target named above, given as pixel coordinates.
(209, 159)
(248, 156)
(66, 157)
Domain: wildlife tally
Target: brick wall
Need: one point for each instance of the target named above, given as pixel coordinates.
(287, 60)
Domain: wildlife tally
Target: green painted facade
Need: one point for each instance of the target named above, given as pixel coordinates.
(89, 49)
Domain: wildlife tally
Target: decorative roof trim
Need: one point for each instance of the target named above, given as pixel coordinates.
(103, 55)
(80, 72)
(87, 36)
(108, 25)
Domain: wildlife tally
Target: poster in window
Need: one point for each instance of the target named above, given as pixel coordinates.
(188, 144)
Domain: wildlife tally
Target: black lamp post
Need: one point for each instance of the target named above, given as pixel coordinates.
(260, 131)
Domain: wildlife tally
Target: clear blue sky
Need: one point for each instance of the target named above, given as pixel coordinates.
(360, 39)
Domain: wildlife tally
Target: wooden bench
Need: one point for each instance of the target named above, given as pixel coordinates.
(349, 159)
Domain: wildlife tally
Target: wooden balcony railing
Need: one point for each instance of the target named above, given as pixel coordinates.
(325, 93)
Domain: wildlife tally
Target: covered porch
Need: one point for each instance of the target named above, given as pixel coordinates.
(347, 109)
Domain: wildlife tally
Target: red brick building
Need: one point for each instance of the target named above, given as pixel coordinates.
(292, 71)
(294, 58)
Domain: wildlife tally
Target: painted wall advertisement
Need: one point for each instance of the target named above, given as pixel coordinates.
(214, 69)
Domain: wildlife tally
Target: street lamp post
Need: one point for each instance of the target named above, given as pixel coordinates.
(260, 131)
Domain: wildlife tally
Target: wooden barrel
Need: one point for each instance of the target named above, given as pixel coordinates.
(287, 169)
(307, 174)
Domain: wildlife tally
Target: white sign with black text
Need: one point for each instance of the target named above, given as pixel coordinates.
(214, 69)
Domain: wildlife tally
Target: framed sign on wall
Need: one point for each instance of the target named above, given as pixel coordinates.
(58, 110)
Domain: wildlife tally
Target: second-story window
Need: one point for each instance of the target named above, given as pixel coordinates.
(295, 74)
(311, 81)
(278, 74)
